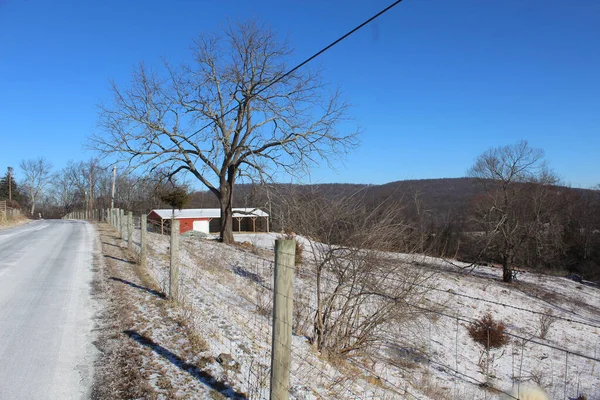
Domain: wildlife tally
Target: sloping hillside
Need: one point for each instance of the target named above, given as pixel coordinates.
(227, 292)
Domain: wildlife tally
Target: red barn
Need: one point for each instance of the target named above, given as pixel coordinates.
(208, 220)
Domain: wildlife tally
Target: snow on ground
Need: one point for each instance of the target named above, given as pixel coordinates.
(228, 289)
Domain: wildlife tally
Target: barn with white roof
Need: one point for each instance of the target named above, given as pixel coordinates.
(208, 220)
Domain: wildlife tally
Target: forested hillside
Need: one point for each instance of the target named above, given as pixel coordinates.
(558, 227)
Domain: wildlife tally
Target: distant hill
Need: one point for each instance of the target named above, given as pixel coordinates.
(441, 198)
(438, 196)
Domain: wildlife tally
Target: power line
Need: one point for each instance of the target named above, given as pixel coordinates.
(297, 67)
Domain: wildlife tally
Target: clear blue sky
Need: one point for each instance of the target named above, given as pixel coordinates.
(433, 83)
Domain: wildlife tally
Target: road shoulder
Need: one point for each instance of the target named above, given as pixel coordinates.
(147, 348)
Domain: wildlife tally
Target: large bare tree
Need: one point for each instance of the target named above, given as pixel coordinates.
(510, 206)
(37, 175)
(234, 112)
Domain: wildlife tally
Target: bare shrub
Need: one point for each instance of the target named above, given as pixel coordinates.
(545, 321)
(488, 332)
(359, 288)
(433, 389)
(264, 301)
(298, 254)
(302, 317)
(540, 378)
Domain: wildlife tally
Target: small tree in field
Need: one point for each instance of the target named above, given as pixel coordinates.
(234, 113)
(505, 210)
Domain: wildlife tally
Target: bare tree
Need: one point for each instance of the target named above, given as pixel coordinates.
(505, 173)
(37, 175)
(235, 113)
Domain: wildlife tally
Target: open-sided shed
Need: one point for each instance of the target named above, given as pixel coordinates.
(208, 220)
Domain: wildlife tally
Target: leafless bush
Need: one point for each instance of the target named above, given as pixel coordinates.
(264, 301)
(488, 332)
(258, 380)
(540, 378)
(359, 287)
(302, 317)
(545, 321)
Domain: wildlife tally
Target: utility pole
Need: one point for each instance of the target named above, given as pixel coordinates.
(10, 170)
(112, 195)
(91, 205)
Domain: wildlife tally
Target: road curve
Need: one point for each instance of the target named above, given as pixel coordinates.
(46, 310)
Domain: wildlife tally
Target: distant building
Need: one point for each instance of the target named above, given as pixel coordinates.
(208, 220)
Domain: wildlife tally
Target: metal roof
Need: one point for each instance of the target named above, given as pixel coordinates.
(209, 213)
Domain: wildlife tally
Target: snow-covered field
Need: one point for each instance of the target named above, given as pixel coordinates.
(229, 290)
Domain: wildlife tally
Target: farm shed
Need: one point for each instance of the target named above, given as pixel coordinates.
(208, 220)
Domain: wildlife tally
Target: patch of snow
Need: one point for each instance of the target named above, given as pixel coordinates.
(229, 290)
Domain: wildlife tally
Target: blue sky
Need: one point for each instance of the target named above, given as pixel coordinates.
(433, 83)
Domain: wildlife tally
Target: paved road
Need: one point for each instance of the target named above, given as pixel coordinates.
(46, 310)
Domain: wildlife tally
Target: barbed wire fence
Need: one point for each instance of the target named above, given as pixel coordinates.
(218, 289)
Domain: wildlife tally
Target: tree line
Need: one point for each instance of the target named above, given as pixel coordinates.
(45, 192)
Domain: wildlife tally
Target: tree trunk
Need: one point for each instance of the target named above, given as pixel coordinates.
(506, 270)
(32, 205)
(226, 200)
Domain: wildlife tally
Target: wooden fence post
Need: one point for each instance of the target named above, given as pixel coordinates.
(119, 213)
(174, 266)
(143, 241)
(116, 218)
(129, 229)
(122, 223)
(281, 345)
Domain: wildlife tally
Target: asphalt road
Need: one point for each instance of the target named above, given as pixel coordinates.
(46, 310)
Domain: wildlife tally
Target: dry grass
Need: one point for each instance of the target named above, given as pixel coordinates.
(6, 222)
(545, 321)
(127, 369)
(432, 389)
(118, 370)
(184, 318)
